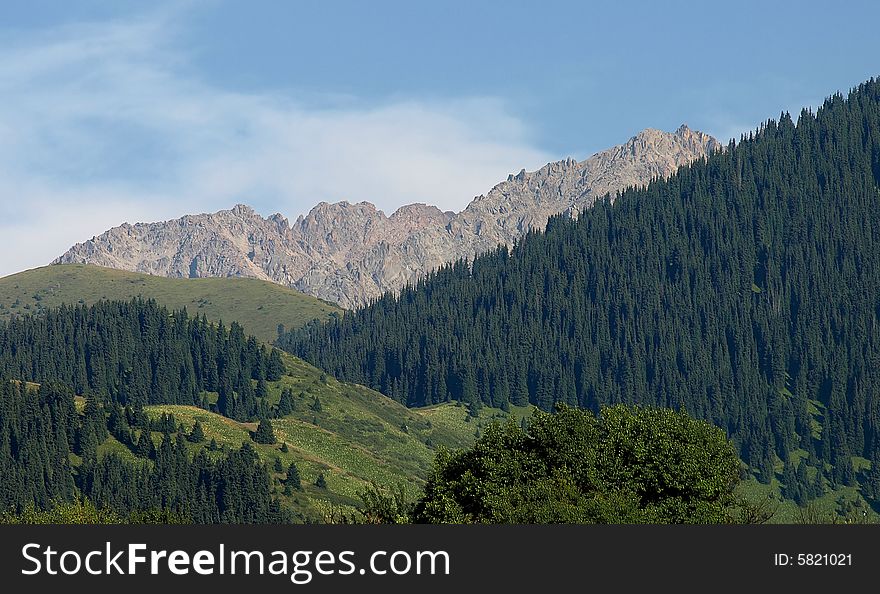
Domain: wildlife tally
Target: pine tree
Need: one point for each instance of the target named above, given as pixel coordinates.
(196, 435)
(872, 486)
(264, 433)
(275, 369)
(790, 485)
(145, 447)
(293, 478)
(321, 482)
(287, 405)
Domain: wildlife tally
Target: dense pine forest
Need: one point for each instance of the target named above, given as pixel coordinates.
(120, 357)
(745, 290)
(138, 353)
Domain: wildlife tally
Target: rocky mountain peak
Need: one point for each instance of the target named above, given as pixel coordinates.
(351, 253)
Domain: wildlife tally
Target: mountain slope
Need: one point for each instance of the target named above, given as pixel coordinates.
(258, 306)
(125, 357)
(351, 253)
(742, 289)
(357, 438)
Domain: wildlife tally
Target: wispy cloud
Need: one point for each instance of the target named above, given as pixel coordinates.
(103, 123)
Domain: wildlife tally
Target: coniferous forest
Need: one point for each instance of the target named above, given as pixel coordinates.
(120, 357)
(138, 353)
(744, 290)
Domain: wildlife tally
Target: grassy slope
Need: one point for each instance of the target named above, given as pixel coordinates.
(354, 416)
(841, 505)
(358, 437)
(257, 305)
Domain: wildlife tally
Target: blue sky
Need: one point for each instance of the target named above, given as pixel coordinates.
(135, 111)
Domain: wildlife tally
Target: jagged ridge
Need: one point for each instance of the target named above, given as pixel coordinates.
(351, 253)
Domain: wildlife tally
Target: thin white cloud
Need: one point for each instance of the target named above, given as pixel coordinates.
(104, 123)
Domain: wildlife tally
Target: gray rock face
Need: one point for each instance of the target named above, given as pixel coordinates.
(351, 253)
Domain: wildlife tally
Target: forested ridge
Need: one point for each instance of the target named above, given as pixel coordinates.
(745, 290)
(138, 353)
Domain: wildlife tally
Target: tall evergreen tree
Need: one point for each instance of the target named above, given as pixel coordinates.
(293, 479)
(264, 433)
(197, 434)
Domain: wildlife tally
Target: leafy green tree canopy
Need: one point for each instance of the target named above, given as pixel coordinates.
(625, 465)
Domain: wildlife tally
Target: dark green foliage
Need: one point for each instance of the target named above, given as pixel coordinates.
(321, 482)
(386, 508)
(264, 433)
(234, 489)
(743, 290)
(872, 486)
(145, 448)
(137, 353)
(287, 405)
(293, 478)
(278, 467)
(284, 448)
(628, 465)
(791, 487)
(197, 434)
(474, 408)
(122, 356)
(37, 429)
(275, 366)
(316, 405)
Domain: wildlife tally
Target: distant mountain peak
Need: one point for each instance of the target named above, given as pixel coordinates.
(351, 253)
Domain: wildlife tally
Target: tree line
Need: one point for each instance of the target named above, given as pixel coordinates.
(138, 353)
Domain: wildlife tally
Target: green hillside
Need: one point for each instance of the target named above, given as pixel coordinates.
(358, 437)
(352, 436)
(257, 305)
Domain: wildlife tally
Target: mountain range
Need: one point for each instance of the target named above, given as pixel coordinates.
(351, 254)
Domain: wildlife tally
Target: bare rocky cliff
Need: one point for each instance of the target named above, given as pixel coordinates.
(351, 253)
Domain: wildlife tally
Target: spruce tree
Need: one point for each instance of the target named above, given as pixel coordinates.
(264, 433)
(872, 486)
(196, 435)
(287, 404)
(293, 478)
